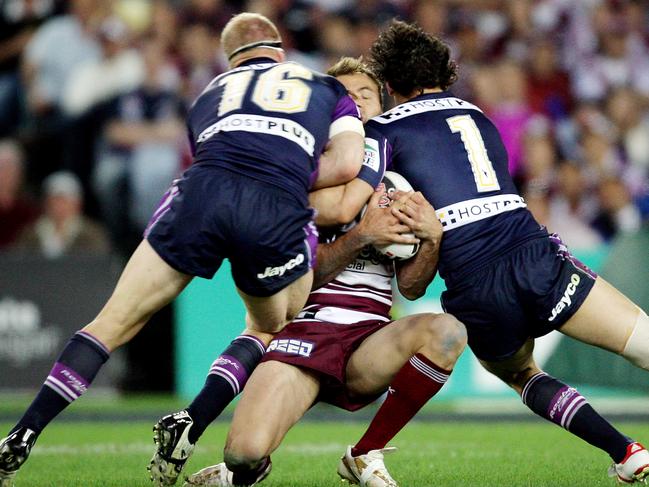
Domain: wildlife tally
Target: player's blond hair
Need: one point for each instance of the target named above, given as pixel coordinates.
(247, 31)
(349, 65)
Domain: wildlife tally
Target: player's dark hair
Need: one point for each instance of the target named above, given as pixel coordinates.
(410, 60)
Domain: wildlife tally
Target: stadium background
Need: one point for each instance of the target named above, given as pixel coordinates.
(92, 97)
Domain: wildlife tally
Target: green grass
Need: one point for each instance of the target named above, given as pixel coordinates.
(79, 454)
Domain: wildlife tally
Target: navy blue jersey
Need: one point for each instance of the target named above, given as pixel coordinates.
(268, 121)
(450, 151)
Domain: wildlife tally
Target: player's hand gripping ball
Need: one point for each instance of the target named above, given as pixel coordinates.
(396, 182)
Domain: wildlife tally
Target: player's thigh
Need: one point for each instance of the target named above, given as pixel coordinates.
(274, 399)
(270, 314)
(375, 362)
(146, 285)
(605, 319)
(517, 369)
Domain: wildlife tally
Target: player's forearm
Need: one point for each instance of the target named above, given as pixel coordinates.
(340, 204)
(333, 258)
(414, 275)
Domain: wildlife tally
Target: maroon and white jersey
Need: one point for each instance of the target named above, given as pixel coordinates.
(363, 291)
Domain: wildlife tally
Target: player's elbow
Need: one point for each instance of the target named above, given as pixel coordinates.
(345, 213)
(411, 292)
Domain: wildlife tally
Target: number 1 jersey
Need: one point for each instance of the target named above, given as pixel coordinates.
(450, 151)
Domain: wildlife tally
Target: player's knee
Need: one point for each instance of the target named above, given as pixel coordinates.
(446, 335)
(243, 460)
(636, 349)
(245, 454)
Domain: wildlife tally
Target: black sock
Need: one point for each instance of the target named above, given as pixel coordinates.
(226, 378)
(71, 375)
(563, 405)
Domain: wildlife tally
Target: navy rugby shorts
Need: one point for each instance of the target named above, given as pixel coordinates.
(211, 214)
(526, 293)
(324, 350)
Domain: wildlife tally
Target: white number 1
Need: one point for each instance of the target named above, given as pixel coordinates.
(483, 170)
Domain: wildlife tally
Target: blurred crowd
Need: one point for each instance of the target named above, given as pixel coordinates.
(93, 95)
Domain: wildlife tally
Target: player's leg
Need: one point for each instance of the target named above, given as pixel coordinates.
(176, 434)
(414, 357)
(270, 314)
(276, 397)
(608, 319)
(565, 406)
(146, 284)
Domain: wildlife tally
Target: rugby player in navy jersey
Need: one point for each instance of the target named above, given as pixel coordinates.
(342, 348)
(263, 135)
(507, 279)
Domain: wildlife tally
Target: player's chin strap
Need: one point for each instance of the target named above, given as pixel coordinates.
(247, 47)
(636, 350)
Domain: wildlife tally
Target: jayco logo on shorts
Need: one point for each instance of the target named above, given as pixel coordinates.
(292, 346)
(565, 299)
(281, 269)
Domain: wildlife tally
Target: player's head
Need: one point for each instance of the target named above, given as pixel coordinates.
(249, 35)
(409, 60)
(362, 85)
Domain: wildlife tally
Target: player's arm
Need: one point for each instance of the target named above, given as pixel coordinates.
(339, 205)
(414, 275)
(343, 155)
(377, 227)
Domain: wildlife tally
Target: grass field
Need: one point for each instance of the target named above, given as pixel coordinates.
(473, 454)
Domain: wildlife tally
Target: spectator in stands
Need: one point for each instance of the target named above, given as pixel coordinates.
(548, 87)
(200, 59)
(18, 20)
(62, 229)
(120, 69)
(621, 58)
(617, 212)
(628, 112)
(140, 149)
(17, 210)
(56, 49)
(572, 206)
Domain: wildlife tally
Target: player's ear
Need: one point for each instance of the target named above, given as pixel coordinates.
(389, 89)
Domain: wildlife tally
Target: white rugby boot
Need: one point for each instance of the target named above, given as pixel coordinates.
(172, 448)
(219, 476)
(14, 450)
(214, 475)
(634, 467)
(366, 470)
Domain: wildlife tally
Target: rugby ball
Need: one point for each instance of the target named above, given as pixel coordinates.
(396, 182)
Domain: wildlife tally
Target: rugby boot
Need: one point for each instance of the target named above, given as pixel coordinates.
(366, 470)
(14, 450)
(219, 476)
(634, 467)
(172, 448)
